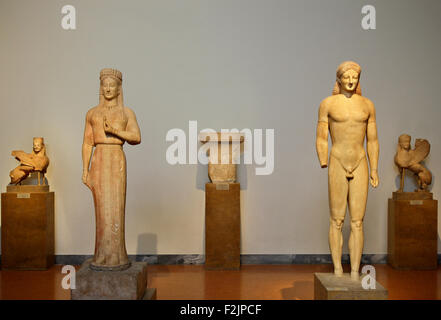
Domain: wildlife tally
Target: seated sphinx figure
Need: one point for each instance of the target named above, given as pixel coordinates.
(410, 159)
(37, 161)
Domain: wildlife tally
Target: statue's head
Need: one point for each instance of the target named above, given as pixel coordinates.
(110, 83)
(38, 145)
(404, 141)
(348, 78)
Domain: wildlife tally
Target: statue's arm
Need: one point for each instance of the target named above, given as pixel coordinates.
(321, 143)
(88, 143)
(132, 134)
(373, 148)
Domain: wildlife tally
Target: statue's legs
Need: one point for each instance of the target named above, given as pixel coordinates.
(358, 190)
(107, 177)
(20, 173)
(338, 197)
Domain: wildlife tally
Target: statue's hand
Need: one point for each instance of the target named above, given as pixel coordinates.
(108, 128)
(84, 178)
(374, 178)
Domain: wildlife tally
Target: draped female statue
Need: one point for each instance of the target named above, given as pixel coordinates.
(108, 126)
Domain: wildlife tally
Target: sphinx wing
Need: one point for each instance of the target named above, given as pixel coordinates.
(421, 151)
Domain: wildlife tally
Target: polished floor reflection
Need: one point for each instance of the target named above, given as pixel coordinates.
(265, 282)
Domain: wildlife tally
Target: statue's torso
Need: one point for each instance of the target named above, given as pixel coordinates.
(348, 118)
(116, 117)
(403, 158)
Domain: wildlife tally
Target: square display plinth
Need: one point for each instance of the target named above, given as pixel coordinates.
(328, 286)
(222, 226)
(412, 231)
(129, 284)
(27, 228)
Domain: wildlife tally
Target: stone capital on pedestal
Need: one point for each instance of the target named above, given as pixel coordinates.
(224, 150)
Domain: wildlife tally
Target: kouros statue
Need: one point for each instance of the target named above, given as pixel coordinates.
(108, 126)
(349, 117)
(37, 161)
(410, 159)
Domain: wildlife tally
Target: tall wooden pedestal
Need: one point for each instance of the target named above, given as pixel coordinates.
(222, 226)
(27, 228)
(412, 231)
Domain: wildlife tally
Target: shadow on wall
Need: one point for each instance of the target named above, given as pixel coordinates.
(242, 176)
(202, 176)
(147, 242)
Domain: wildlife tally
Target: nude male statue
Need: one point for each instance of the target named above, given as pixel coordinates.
(349, 117)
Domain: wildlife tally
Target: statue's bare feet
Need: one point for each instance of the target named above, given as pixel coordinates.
(338, 272)
(355, 275)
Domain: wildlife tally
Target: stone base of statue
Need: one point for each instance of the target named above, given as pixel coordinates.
(222, 226)
(129, 284)
(328, 286)
(412, 231)
(27, 227)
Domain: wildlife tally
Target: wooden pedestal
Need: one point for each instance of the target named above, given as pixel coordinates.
(222, 226)
(412, 231)
(27, 229)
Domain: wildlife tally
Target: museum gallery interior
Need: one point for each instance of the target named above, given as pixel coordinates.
(262, 150)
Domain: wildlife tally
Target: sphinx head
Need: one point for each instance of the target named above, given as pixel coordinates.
(404, 141)
(38, 145)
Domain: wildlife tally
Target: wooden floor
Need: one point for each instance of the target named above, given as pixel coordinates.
(260, 282)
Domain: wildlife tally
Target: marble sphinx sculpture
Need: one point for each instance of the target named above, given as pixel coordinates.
(410, 159)
(36, 161)
(108, 126)
(349, 118)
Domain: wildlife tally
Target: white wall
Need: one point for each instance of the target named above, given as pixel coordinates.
(227, 64)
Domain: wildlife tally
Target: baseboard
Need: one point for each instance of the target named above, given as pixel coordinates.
(189, 259)
(195, 259)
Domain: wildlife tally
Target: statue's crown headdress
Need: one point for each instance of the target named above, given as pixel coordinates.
(108, 72)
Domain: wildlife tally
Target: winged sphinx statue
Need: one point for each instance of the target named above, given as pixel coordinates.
(410, 159)
(37, 161)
